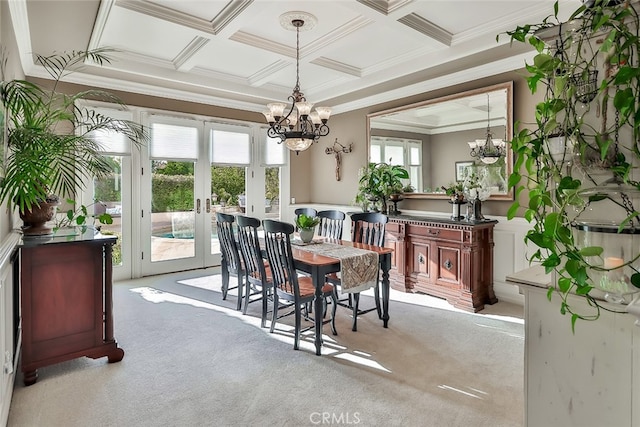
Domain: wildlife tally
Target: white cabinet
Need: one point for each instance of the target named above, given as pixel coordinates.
(9, 326)
(590, 378)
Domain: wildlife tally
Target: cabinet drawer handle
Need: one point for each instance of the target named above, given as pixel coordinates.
(421, 259)
(433, 232)
(448, 264)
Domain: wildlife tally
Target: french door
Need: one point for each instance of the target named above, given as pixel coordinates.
(191, 170)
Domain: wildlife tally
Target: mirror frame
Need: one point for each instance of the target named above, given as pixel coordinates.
(508, 86)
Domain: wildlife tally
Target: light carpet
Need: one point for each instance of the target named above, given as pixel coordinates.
(192, 360)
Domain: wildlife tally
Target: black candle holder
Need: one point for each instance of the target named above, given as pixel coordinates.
(456, 205)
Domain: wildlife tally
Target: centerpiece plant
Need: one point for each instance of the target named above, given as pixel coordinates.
(582, 153)
(306, 225)
(52, 138)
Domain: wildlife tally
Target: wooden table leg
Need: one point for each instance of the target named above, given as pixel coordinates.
(386, 266)
(318, 282)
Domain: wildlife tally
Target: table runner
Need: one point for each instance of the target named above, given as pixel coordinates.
(358, 267)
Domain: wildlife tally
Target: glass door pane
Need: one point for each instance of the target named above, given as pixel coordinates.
(107, 193)
(172, 213)
(174, 199)
(228, 195)
(272, 193)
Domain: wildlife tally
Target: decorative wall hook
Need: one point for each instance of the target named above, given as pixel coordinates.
(337, 151)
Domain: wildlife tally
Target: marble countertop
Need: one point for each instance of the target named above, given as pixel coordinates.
(533, 276)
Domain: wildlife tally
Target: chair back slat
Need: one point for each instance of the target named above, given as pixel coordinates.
(369, 228)
(331, 224)
(307, 211)
(280, 256)
(250, 246)
(228, 246)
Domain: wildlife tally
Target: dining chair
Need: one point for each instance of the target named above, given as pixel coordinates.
(331, 224)
(231, 262)
(258, 277)
(368, 228)
(289, 288)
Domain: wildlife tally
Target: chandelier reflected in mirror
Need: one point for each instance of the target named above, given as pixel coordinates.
(488, 150)
(296, 125)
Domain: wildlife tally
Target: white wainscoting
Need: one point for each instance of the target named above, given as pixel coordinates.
(509, 255)
(8, 352)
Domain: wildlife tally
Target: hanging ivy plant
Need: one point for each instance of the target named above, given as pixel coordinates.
(589, 71)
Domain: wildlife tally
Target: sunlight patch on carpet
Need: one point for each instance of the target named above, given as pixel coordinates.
(457, 390)
(354, 358)
(283, 332)
(210, 283)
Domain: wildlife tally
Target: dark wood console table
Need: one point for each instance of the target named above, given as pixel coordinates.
(444, 258)
(66, 300)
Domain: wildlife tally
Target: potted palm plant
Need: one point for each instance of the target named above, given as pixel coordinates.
(579, 160)
(50, 139)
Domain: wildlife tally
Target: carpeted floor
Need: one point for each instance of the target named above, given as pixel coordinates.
(192, 360)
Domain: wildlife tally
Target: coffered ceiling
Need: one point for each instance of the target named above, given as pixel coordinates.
(235, 53)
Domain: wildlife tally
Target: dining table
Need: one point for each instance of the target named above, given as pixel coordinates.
(318, 266)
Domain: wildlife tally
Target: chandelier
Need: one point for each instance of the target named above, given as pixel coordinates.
(488, 150)
(299, 127)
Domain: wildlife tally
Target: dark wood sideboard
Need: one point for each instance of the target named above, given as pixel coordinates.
(444, 258)
(66, 300)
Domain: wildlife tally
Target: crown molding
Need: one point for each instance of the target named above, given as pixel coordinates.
(166, 14)
(182, 61)
(462, 76)
(264, 75)
(20, 20)
(261, 43)
(429, 29)
(337, 66)
(386, 7)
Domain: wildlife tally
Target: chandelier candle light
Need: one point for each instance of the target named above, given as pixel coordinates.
(488, 150)
(299, 127)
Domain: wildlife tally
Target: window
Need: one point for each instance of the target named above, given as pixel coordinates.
(398, 151)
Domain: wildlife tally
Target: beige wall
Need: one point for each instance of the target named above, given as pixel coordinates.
(13, 70)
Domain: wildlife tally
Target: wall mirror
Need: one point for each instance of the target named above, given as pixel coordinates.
(431, 139)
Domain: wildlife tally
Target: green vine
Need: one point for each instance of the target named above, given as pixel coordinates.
(598, 38)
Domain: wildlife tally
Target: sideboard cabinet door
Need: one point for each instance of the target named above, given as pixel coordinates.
(445, 258)
(66, 304)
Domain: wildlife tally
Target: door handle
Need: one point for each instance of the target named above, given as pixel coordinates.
(198, 206)
(208, 204)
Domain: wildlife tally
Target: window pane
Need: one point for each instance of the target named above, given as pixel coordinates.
(414, 177)
(273, 152)
(375, 154)
(414, 156)
(173, 142)
(111, 142)
(394, 155)
(230, 148)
